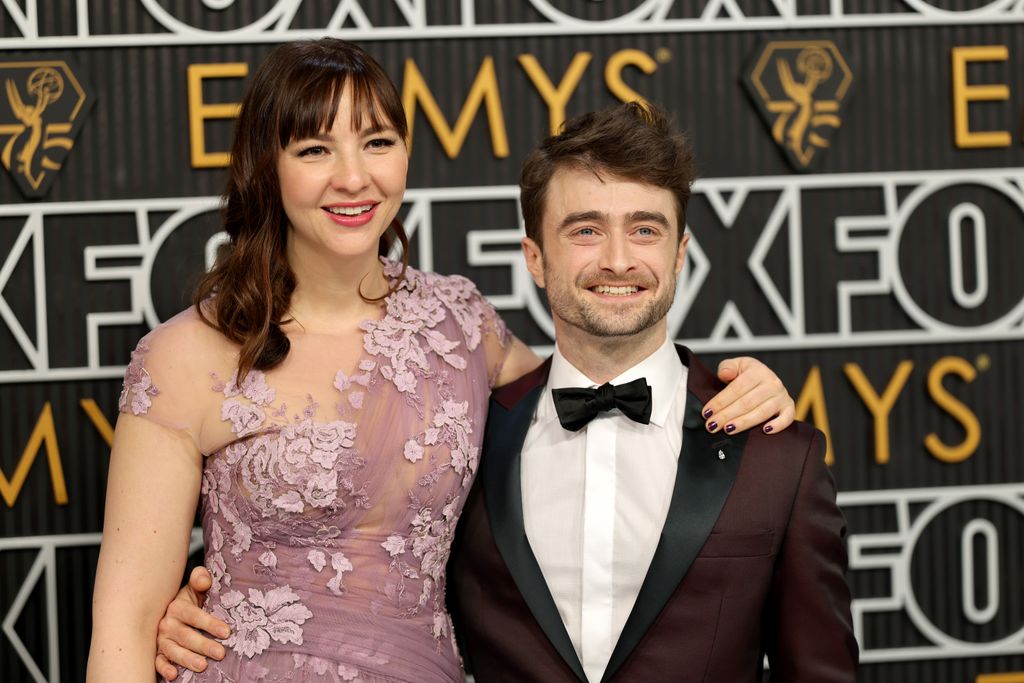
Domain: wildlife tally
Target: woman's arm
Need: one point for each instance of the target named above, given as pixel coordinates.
(152, 490)
(520, 360)
(754, 393)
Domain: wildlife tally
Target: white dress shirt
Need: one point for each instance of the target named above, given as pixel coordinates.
(594, 555)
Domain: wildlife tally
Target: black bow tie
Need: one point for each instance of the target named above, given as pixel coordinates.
(578, 406)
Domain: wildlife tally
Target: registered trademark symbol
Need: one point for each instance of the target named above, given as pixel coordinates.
(663, 55)
(983, 362)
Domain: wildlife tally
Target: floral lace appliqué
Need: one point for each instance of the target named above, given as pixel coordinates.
(276, 615)
(138, 389)
(303, 466)
(451, 427)
(429, 544)
(407, 333)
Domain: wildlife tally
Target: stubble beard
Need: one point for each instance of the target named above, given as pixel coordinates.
(568, 303)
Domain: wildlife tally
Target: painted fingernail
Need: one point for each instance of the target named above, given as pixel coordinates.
(730, 429)
(767, 429)
(712, 426)
(707, 413)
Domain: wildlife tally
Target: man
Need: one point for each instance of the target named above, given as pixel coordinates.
(600, 550)
(610, 536)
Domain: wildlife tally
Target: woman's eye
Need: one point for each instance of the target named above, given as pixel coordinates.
(380, 143)
(313, 151)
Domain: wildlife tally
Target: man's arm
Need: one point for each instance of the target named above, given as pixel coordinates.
(808, 629)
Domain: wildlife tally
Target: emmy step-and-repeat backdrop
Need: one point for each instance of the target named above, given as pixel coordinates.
(859, 225)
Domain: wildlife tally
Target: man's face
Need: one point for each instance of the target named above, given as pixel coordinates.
(610, 253)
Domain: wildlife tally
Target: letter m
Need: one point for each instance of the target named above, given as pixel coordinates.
(483, 91)
(44, 433)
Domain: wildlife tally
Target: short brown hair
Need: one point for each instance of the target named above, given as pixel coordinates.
(632, 141)
(294, 94)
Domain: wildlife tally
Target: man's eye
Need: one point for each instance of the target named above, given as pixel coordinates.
(646, 232)
(586, 232)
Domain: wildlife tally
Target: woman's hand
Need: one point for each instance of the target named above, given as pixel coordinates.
(754, 395)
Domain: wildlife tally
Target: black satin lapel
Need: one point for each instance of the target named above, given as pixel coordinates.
(703, 482)
(500, 473)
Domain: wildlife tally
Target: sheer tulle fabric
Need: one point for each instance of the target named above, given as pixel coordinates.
(333, 482)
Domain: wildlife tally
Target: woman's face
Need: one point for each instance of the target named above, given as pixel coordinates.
(341, 189)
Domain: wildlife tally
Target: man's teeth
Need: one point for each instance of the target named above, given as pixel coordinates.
(349, 210)
(616, 291)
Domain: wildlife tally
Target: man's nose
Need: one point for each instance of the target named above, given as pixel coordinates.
(616, 254)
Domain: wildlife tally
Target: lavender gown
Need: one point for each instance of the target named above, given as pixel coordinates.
(333, 481)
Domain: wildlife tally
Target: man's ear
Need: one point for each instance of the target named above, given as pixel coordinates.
(534, 258)
(681, 252)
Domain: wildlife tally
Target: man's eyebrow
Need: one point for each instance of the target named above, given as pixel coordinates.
(599, 216)
(582, 217)
(649, 217)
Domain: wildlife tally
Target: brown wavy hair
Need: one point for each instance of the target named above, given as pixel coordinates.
(635, 141)
(294, 94)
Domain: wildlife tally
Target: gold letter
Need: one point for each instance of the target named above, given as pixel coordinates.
(44, 432)
(964, 94)
(484, 89)
(199, 111)
(613, 73)
(960, 412)
(1016, 677)
(880, 407)
(812, 400)
(98, 419)
(556, 99)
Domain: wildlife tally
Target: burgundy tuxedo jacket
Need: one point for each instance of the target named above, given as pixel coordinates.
(750, 562)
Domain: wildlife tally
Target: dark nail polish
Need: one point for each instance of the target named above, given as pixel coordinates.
(730, 429)
(767, 429)
(712, 426)
(707, 413)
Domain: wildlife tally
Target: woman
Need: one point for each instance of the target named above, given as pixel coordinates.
(328, 405)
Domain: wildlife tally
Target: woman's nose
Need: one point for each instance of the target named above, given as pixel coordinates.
(350, 175)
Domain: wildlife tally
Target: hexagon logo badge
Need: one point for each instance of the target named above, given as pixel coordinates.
(42, 106)
(800, 87)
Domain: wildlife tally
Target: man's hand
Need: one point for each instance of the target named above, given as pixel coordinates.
(177, 640)
(754, 394)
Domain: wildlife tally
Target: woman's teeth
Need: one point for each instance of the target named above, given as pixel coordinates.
(349, 210)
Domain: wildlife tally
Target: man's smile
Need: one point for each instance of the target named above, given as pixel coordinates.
(616, 290)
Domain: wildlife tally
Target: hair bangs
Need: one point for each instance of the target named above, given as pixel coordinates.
(369, 103)
(312, 106)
